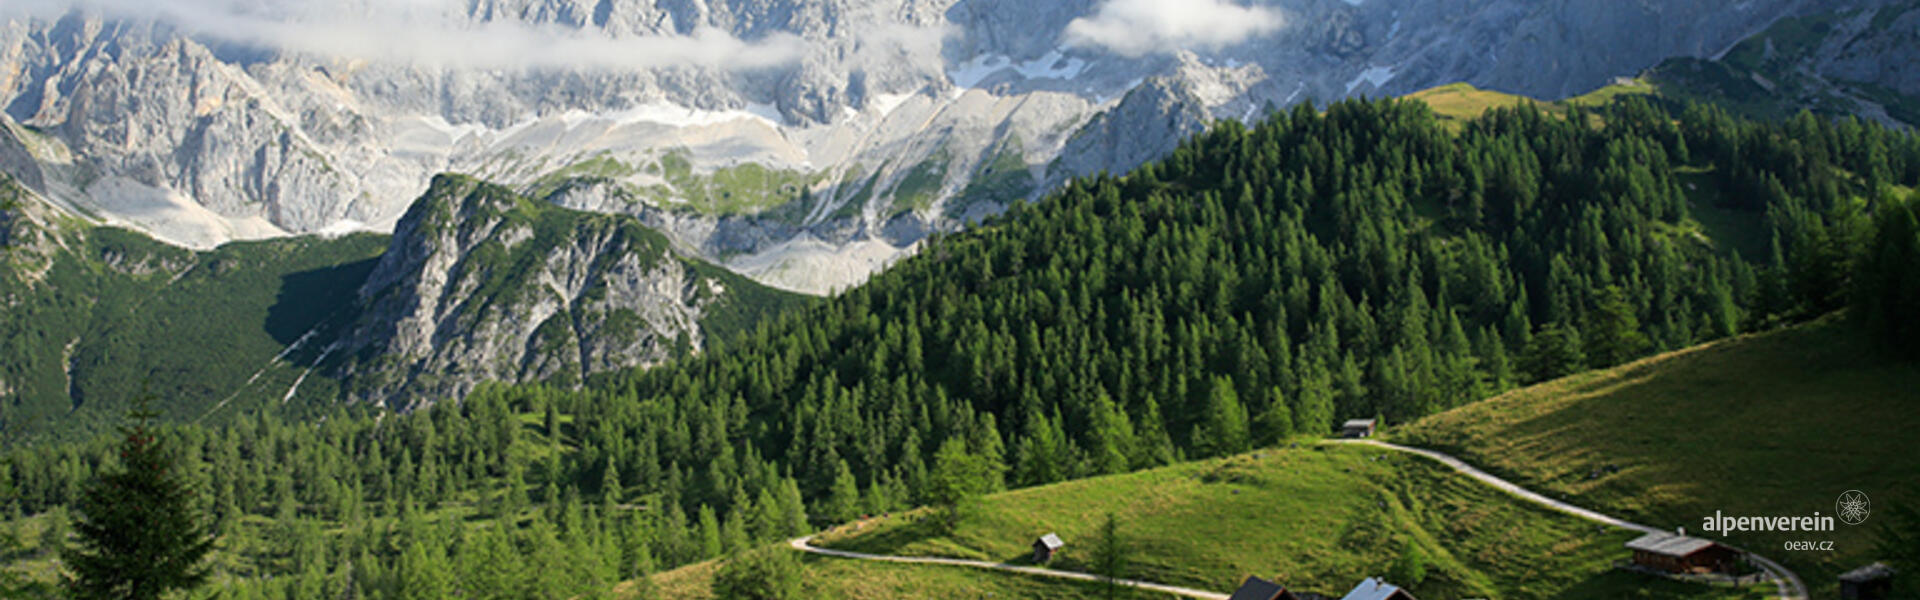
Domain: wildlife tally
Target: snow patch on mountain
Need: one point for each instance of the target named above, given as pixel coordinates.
(1055, 64)
(1052, 65)
(1377, 76)
(970, 73)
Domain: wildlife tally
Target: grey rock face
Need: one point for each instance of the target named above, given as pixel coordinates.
(1146, 124)
(200, 139)
(469, 292)
(1878, 47)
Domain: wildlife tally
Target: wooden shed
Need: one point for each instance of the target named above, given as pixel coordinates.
(1374, 588)
(1255, 588)
(1359, 428)
(1044, 547)
(1871, 582)
(1675, 553)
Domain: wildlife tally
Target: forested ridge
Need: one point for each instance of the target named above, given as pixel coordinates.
(1259, 282)
(98, 314)
(95, 313)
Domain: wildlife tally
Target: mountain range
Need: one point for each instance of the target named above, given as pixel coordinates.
(804, 143)
(642, 180)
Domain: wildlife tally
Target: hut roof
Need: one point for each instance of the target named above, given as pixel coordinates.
(1255, 588)
(1667, 544)
(1051, 541)
(1373, 588)
(1872, 572)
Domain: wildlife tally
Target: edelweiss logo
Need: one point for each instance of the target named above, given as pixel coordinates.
(1853, 507)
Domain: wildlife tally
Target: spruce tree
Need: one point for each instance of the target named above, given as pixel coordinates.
(139, 534)
(610, 488)
(1886, 294)
(958, 477)
(1552, 353)
(421, 574)
(1110, 556)
(711, 544)
(1276, 422)
(1614, 335)
(843, 499)
(14, 584)
(1223, 428)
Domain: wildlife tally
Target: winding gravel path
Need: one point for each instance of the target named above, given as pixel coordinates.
(803, 544)
(1788, 584)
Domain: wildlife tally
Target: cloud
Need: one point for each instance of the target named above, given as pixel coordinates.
(902, 43)
(433, 33)
(1139, 27)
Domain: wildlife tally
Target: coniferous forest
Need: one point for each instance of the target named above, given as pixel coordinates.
(1259, 282)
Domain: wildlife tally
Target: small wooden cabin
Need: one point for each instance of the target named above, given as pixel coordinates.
(1871, 582)
(1675, 553)
(1255, 588)
(1045, 547)
(1359, 428)
(1374, 588)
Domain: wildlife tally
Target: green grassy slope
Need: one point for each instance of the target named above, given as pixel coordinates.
(96, 314)
(1317, 517)
(1457, 103)
(826, 577)
(1772, 424)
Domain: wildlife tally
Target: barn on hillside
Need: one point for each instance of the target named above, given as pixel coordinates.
(1674, 553)
(1871, 582)
(1359, 428)
(1046, 546)
(1374, 588)
(1255, 588)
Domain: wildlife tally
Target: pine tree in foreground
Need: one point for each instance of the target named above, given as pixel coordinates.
(139, 537)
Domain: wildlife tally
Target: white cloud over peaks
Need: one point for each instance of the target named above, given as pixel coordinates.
(1139, 27)
(431, 33)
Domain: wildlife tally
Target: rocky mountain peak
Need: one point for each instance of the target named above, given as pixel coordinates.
(714, 115)
(482, 284)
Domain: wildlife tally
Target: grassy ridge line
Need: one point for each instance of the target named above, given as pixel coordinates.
(1771, 424)
(1457, 103)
